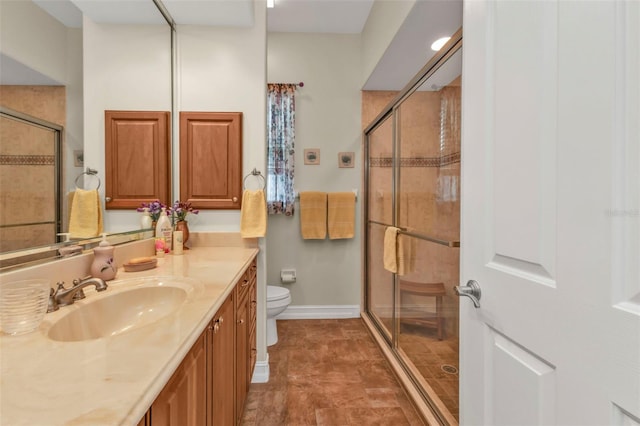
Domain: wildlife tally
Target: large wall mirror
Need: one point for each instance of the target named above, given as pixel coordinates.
(60, 62)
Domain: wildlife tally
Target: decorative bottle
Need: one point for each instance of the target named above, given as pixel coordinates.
(164, 229)
(103, 265)
(145, 220)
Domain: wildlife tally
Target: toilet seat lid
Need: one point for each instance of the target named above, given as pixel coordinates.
(276, 293)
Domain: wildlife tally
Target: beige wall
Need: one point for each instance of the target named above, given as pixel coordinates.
(328, 118)
(126, 67)
(383, 23)
(224, 69)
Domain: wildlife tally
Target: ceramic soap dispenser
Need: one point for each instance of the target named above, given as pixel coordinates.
(103, 265)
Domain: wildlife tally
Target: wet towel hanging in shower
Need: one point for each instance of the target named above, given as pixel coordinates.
(341, 216)
(253, 215)
(390, 249)
(85, 219)
(313, 215)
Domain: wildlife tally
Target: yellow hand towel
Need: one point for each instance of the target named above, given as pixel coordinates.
(406, 254)
(85, 219)
(313, 215)
(341, 216)
(390, 252)
(253, 215)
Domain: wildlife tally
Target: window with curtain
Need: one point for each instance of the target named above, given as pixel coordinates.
(281, 115)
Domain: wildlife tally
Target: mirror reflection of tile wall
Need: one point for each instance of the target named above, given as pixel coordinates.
(27, 167)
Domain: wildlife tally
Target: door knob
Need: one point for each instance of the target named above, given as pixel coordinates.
(471, 290)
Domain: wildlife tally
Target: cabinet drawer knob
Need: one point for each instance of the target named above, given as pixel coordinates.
(241, 321)
(235, 199)
(107, 199)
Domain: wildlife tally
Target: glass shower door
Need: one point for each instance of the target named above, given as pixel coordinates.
(380, 282)
(428, 123)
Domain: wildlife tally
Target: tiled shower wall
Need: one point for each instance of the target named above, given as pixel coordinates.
(27, 167)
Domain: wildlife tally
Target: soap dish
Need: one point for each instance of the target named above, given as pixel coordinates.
(141, 266)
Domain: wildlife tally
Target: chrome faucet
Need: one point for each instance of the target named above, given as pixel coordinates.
(63, 297)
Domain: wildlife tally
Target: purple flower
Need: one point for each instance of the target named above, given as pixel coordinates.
(180, 210)
(154, 207)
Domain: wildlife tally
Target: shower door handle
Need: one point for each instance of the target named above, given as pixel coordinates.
(471, 290)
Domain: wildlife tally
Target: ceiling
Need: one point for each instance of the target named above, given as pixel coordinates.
(404, 57)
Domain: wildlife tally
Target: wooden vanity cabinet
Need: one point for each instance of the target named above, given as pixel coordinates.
(211, 384)
(220, 400)
(183, 401)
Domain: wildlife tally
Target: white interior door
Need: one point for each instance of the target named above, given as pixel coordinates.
(551, 213)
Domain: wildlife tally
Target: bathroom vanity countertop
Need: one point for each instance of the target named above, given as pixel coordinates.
(114, 380)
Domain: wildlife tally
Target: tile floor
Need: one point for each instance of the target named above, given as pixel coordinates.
(433, 358)
(327, 372)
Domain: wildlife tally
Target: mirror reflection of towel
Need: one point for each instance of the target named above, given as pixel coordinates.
(85, 218)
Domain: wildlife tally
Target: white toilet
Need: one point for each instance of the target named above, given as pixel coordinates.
(278, 298)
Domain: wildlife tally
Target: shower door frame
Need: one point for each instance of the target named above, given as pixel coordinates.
(391, 111)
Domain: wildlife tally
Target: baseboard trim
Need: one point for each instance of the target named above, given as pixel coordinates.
(320, 312)
(261, 371)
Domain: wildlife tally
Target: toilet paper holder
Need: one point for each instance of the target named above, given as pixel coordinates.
(288, 276)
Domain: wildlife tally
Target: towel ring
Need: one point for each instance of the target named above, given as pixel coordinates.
(256, 173)
(88, 172)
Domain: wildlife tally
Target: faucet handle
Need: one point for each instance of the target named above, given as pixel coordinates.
(79, 295)
(60, 287)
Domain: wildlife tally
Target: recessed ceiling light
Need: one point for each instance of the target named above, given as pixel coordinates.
(437, 45)
(271, 3)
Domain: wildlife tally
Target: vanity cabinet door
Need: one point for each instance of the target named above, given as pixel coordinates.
(221, 374)
(211, 159)
(182, 402)
(242, 356)
(137, 160)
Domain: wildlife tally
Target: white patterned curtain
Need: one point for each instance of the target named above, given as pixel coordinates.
(281, 107)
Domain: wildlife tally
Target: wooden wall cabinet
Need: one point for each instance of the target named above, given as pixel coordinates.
(211, 159)
(211, 384)
(137, 158)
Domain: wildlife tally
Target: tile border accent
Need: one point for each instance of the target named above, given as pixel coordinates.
(444, 160)
(27, 160)
(320, 312)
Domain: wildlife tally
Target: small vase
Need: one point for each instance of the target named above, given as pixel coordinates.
(183, 226)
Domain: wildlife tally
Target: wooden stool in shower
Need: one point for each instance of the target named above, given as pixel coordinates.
(423, 318)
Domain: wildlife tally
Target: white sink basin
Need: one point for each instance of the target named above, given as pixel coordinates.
(124, 306)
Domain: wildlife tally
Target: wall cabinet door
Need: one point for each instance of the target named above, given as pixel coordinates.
(211, 159)
(221, 373)
(183, 400)
(137, 158)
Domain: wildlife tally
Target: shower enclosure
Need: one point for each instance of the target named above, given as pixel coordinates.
(412, 179)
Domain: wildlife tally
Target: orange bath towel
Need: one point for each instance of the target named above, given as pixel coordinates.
(341, 216)
(313, 215)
